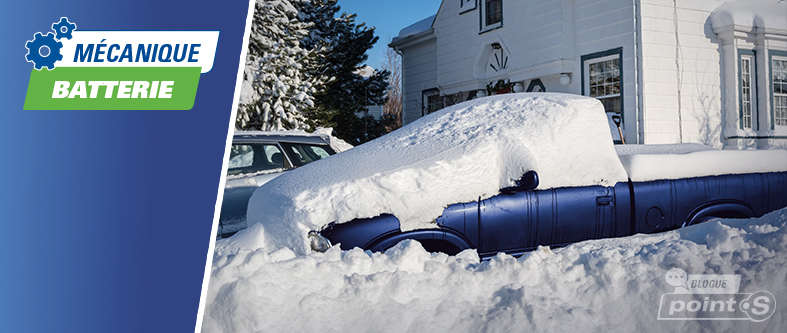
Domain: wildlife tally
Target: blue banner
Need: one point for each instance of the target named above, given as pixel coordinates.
(107, 214)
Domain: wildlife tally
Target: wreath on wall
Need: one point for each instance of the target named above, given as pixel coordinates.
(499, 87)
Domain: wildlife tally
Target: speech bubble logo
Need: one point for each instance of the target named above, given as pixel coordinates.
(677, 277)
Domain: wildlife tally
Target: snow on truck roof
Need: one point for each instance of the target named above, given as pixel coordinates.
(675, 161)
(457, 154)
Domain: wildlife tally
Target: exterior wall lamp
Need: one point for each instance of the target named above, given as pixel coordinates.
(565, 79)
(518, 87)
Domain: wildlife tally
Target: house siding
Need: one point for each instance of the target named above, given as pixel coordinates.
(541, 39)
(674, 87)
(681, 86)
(419, 73)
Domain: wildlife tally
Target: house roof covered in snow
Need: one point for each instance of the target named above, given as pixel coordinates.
(417, 27)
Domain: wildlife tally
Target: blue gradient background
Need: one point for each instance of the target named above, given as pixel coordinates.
(107, 214)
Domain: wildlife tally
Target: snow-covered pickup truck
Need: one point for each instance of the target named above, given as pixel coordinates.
(522, 218)
(454, 180)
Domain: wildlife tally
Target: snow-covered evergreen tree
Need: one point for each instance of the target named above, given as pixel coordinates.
(348, 92)
(279, 82)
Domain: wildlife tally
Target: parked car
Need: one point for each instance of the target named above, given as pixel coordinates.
(255, 158)
(510, 173)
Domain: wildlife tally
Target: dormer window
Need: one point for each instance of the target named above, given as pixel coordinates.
(491, 14)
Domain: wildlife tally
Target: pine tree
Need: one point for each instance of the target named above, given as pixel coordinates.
(347, 92)
(279, 82)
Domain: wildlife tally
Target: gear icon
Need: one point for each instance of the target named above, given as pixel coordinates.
(34, 51)
(63, 28)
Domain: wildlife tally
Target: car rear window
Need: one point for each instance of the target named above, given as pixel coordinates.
(254, 157)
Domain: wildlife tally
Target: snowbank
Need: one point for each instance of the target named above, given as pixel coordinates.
(601, 285)
(458, 154)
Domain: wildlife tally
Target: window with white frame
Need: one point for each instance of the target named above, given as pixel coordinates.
(602, 80)
(779, 90)
(746, 90)
(491, 14)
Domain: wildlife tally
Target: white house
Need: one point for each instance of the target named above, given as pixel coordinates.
(708, 71)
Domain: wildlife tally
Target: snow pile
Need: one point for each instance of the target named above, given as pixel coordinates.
(458, 154)
(671, 165)
(601, 285)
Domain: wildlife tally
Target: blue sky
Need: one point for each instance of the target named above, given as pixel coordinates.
(388, 17)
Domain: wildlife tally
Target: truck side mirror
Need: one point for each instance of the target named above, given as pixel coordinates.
(529, 181)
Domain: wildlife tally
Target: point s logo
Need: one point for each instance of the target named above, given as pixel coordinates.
(116, 70)
(712, 297)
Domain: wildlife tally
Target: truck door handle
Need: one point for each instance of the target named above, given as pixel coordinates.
(605, 200)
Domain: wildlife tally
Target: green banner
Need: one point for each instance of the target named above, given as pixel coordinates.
(113, 88)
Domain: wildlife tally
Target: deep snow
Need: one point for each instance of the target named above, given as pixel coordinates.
(599, 285)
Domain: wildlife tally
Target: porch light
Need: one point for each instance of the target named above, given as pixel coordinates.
(565, 79)
(518, 87)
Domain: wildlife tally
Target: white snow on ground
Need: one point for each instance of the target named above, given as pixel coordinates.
(454, 155)
(611, 285)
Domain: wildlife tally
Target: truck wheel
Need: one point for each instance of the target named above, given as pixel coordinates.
(432, 241)
(724, 210)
